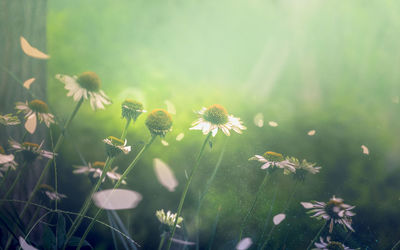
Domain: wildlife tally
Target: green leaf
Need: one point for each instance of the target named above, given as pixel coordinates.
(48, 239)
(61, 233)
(74, 241)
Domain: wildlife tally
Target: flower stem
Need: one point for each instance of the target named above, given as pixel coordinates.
(283, 211)
(187, 188)
(252, 205)
(125, 131)
(5, 178)
(162, 240)
(123, 176)
(87, 202)
(56, 147)
(316, 236)
(20, 171)
(396, 245)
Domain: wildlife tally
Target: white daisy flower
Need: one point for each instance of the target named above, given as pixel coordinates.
(9, 120)
(273, 159)
(86, 86)
(330, 244)
(132, 109)
(303, 167)
(35, 110)
(51, 193)
(168, 218)
(216, 117)
(335, 211)
(115, 146)
(31, 151)
(95, 168)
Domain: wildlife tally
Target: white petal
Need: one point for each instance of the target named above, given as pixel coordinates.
(311, 132)
(6, 158)
(180, 136)
(165, 175)
(266, 165)
(307, 205)
(365, 150)
(279, 218)
(164, 142)
(259, 120)
(24, 245)
(244, 244)
(30, 124)
(117, 199)
(32, 51)
(273, 124)
(27, 83)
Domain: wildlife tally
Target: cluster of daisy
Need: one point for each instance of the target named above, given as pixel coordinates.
(168, 218)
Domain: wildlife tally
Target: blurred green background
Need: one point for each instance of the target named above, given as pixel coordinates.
(332, 66)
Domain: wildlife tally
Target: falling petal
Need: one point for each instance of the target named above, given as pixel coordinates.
(244, 244)
(180, 136)
(27, 83)
(30, 123)
(395, 99)
(365, 150)
(170, 107)
(31, 51)
(24, 245)
(279, 218)
(182, 242)
(164, 142)
(273, 124)
(307, 205)
(311, 132)
(165, 175)
(6, 158)
(259, 120)
(117, 199)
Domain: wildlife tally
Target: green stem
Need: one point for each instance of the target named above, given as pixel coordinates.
(123, 176)
(396, 245)
(252, 205)
(55, 150)
(187, 188)
(316, 236)
(162, 241)
(19, 174)
(5, 178)
(125, 131)
(87, 202)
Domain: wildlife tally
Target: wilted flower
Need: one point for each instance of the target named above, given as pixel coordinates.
(115, 146)
(216, 117)
(9, 120)
(272, 159)
(87, 86)
(96, 168)
(159, 122)
(303, 167)
(168, 218)
(335, 211)
(131, 109)
(51, 193)
(33, 111)
(330, 245)
(6, 162)
(30, 150)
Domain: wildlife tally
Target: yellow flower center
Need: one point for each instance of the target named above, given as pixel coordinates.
(30, 144)
(2, 150)
(273, 156)
(99, 164)
(90, 81)
(116, 141)
(38, 106)
(159, 122)
(216, 114)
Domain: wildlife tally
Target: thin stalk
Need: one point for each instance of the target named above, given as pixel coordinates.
(56, 147)
(252, 205)
(316, 236)
(125, 131)
(4, 178)
(87, 202)
(396, 245)
(187, 188)
(214, 229)
(283, 211)
(19, 174)
(162, 241)
(123, 176)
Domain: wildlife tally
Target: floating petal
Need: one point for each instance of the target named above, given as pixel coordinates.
(164, 142)
(165, 175)
(307, 205)
(273, 124)
(30, 124)
(117, 199)
(27, 83)
(24, 245)
(365, 150)
(180, 136)
(6, 158)
(279, 218)
(244, 244)
(31, 51)
(259, 120)
(311, 132)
